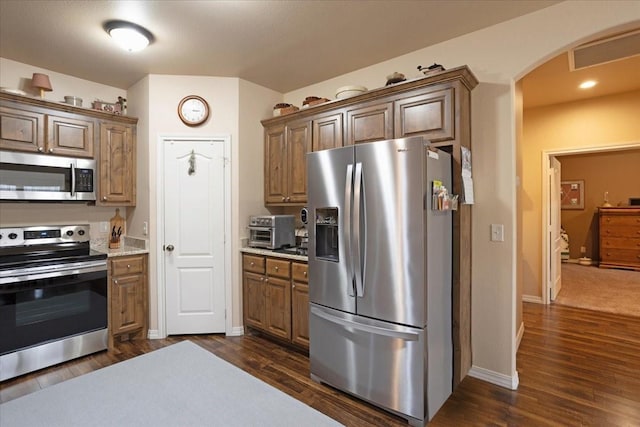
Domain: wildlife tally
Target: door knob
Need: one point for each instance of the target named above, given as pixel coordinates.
(170, 248)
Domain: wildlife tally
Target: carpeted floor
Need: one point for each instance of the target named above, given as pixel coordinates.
(600, 289)
(179, 385)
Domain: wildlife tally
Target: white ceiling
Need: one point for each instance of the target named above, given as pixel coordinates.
(282, 45)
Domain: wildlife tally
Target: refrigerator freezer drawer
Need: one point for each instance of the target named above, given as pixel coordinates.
(383, 363)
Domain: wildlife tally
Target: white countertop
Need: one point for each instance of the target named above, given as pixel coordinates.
(128, 246)
(269, 252)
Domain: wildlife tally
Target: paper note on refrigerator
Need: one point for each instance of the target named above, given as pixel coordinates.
(467, 190)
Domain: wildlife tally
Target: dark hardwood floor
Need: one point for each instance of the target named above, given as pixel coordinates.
(576, 368)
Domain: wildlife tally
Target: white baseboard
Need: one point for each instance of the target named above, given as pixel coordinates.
(519, 335)
(533, 299)
(496, 378)
(236, 331)
(153, 334)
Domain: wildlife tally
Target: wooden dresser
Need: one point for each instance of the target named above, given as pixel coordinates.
(620, 237)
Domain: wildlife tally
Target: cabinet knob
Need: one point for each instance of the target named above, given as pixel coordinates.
(51, 150)
(288, 199)
(252, 263)
(128, 265)
(284, 199)
(304, 273)
(276, 268)
(115, 281)
(266, 280)
(104, 198)
(262, 279)
(40, 149)
(293, 286)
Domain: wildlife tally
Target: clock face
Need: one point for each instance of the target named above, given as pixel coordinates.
(193, 110)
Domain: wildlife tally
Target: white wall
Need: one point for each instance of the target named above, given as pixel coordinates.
(498, 56)
(16, 75)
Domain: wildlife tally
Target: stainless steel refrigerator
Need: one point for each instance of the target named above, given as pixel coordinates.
(380, 274)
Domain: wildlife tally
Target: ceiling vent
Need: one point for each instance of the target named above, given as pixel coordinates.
(611, 49)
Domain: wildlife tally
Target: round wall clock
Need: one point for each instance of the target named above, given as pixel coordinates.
(193, 110)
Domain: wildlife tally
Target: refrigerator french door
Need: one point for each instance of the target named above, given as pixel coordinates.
(380, 275)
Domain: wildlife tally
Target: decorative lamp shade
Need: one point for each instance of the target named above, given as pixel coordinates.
(41, 81)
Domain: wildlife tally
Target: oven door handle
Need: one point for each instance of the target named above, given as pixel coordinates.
(51, 271)
(252, 228)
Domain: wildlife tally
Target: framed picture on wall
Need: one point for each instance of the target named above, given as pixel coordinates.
(572, 194)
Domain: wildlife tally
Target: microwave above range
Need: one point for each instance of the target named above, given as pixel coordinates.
(44, 178)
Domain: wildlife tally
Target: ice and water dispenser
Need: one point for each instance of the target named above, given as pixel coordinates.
(326, 224)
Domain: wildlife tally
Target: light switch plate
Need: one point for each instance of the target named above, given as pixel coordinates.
(497, 233)
(104, 226)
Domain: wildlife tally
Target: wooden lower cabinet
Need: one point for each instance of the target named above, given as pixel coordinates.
(275, 298)
(127, 297)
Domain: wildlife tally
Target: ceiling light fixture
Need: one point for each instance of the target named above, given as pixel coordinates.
(131, 37)
(588, 84)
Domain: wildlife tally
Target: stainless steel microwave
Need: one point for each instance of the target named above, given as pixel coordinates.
(45, 178)
(271, 231)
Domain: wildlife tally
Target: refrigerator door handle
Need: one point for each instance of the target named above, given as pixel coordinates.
(377, 330)
(358, 194)
(347, 226)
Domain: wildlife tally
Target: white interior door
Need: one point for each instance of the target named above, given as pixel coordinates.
(194, 235)
(555, 240)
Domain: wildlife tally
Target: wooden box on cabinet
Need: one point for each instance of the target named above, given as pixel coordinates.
(127, 297)
(620, 237)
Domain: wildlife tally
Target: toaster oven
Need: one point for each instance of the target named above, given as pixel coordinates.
(271, 231)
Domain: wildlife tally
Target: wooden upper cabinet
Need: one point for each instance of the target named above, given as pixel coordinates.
(21, 130)
(275, 174)
(285, 170)
(57, 133)
(67, 136)
(298, 145)
(369, 123)
(327, 132)
(117, 162)
(425, 114)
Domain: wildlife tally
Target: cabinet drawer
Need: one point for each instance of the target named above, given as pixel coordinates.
(128, 265)
(619, 230)
(620, 243)
(278, 268)
(300, 272)
(621, 256)
(620, 220)
(253, 263)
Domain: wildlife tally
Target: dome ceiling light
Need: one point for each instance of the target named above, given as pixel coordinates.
(131, 37)
(588, 84)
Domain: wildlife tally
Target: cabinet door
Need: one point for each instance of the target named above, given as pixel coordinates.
(327, 132)
(73, 137)
(127, 305)
(278, 302)
(369, 123)
(117, 174)
(300, 314)
(21, 130)
(298, 145)
(253, 297)
(275, 158)
(427, 114)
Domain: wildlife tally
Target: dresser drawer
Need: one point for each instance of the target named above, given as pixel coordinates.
(626, 256)
(620, 243)
(253, 263)
(127, 265)
(278, 268)
(300, 272)
(620, 220)
(620, 230)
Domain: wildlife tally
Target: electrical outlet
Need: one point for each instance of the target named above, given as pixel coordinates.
(104, 227)
(145, 228)
(497, 233)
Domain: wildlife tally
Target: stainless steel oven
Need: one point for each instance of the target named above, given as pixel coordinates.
(271, 231)
(53, 297)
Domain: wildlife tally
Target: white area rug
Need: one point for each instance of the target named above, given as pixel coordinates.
(179, 385)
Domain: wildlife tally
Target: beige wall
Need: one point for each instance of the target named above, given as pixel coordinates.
(498, 56)
(614, 172)
(595, 123)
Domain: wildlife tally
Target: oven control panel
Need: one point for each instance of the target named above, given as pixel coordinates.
(25, 236)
